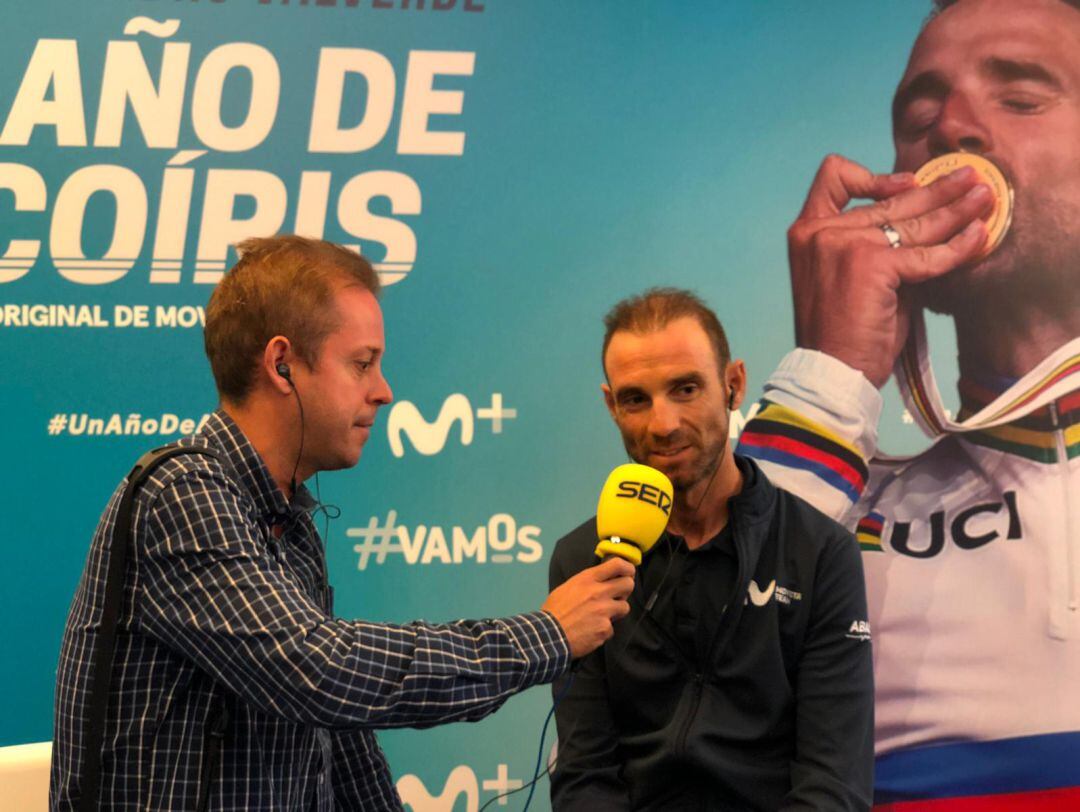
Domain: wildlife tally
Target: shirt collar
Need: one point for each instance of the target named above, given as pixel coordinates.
(978, 392)
(745, 501)
(722, 542)
(221, 431)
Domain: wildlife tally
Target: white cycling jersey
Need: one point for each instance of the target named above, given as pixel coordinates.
(972, 560)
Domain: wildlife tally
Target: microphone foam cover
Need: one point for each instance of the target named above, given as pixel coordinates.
(634, 508)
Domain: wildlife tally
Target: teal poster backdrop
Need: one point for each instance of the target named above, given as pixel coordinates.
(512, 168)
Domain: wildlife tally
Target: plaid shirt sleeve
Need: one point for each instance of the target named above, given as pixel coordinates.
(213, 590)
(361, 774)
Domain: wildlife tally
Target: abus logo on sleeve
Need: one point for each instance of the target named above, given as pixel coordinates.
(859, 630)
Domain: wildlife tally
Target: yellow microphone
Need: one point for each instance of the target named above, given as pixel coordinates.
(635, 505)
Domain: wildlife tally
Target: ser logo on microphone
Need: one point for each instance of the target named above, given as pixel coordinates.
(642, 491)
(430, 437)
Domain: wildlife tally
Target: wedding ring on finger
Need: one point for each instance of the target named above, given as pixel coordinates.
(891, 234)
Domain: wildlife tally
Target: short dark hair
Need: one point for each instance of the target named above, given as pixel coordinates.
(941, 5)
(655, 308)
(282, 285)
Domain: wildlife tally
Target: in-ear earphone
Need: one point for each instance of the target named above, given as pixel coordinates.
(331, 511)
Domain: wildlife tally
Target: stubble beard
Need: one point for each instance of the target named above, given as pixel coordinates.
(702, 470)
(1037, 266)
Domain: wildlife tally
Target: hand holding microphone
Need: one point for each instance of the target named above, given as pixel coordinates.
(634, 507)
(586, 604)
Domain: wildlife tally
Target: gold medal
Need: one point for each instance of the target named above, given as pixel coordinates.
(1000, 217)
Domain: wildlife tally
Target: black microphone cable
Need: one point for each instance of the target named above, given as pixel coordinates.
(537, 774)
(646, 609)
(329, 511)
(651, 601)
(300, 451)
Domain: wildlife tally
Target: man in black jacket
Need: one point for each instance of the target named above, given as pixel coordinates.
(742, 678)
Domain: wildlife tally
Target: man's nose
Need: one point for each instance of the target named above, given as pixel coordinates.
(664, 418)
(960, 127)
(382, 394)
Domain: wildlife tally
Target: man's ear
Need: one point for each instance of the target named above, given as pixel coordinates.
(609, 399)
(735, 383)
(278, 351)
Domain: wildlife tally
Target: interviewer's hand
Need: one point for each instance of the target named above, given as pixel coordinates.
(586, 604)
(847, 282)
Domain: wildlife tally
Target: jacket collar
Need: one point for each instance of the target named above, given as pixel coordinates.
(251, 472)
(754, 504)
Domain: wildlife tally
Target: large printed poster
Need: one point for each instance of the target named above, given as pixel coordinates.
(513, 169)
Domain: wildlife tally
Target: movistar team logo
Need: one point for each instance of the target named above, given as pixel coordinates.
(781, 594)
(759, 596)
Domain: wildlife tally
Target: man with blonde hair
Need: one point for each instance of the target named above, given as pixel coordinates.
(233, 686)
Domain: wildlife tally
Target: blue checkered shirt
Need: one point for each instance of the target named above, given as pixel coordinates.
(216, 609)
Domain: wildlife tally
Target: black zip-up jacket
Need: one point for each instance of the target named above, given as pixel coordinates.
(779, 715)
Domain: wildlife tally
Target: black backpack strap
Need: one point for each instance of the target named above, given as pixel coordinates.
(216, 727)
(117, 545)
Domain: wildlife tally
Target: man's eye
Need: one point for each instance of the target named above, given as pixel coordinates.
(633, 402)
(687, 390)
(918, 116)
(363, 366)
(1022, 104)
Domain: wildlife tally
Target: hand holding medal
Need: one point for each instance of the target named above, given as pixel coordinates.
(1000, 217)
(851, 265)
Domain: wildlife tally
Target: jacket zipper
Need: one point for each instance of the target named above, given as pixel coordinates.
(718, 636)
(1062, 597)
(1063, 468)
(695, 700)
(687, 663)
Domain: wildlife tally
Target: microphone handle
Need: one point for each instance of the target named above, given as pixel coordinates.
(621, 548)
